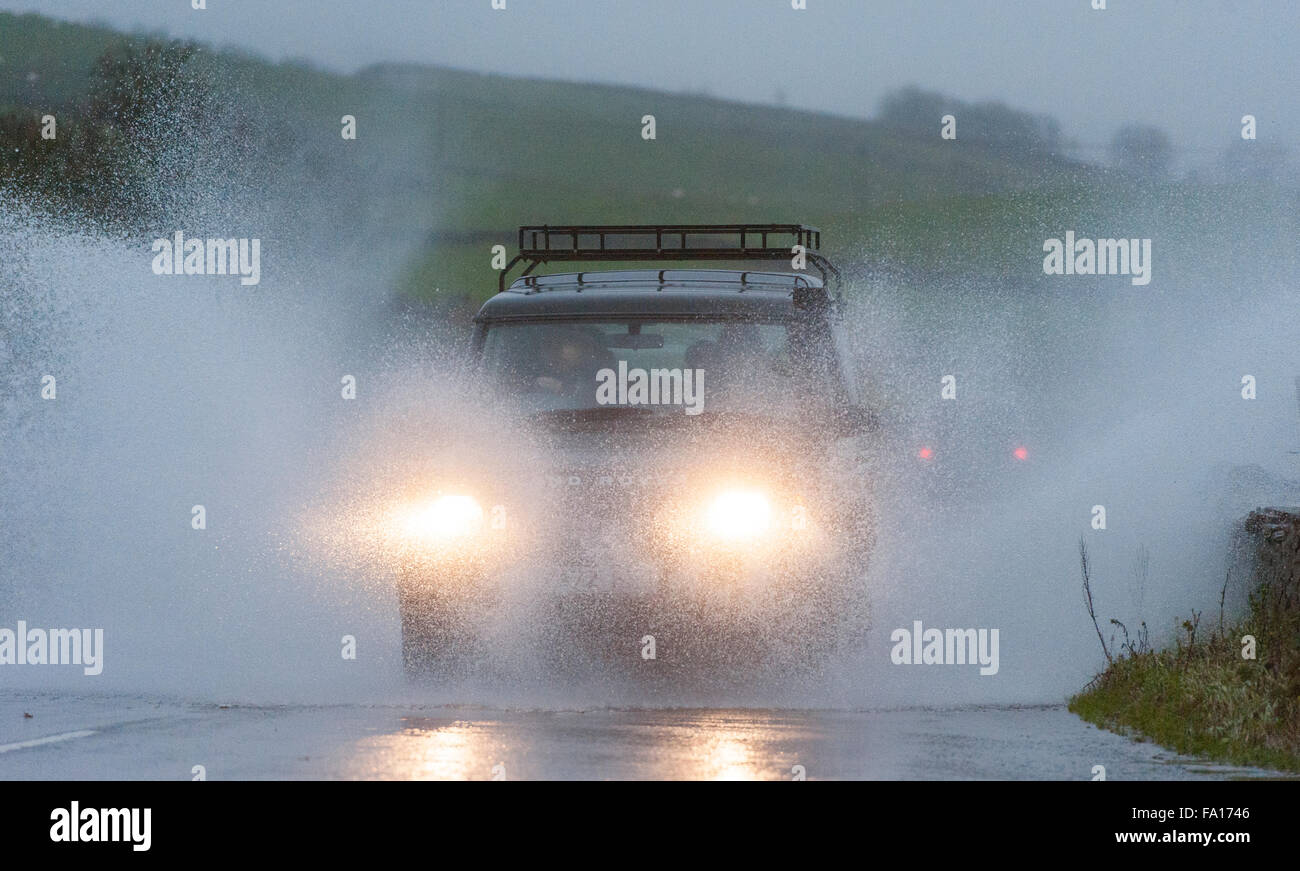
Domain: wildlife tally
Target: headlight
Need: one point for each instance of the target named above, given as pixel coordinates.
(447, 517)
(737, 514)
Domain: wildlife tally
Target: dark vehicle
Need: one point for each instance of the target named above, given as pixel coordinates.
(708, 503)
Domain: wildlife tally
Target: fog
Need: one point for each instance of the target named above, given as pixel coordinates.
(1191, 67)
(183, 391)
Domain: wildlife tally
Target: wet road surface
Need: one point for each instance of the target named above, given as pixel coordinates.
(132, 737)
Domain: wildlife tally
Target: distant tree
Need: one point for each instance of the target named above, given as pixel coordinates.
(993, 124)
(132, 86)
(1017, 132)
(1142, 150)
(913, 109)
(1254, 161)
(122, 143)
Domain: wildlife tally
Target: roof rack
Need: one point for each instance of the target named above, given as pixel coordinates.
(611, 242)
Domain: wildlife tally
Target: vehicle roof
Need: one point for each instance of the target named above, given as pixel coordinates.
(650, 292)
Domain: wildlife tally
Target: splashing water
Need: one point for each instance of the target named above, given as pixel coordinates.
(177, 391)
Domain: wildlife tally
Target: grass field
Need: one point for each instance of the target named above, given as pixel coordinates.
(1201, 698)
(467, 157)
(461, 159)
(1228, 690)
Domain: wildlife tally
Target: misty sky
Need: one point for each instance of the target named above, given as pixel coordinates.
(1193, 67)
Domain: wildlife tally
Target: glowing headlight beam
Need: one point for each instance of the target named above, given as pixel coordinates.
(736, 514)
(451, 516)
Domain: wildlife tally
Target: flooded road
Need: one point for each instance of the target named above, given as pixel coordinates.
(114, 737)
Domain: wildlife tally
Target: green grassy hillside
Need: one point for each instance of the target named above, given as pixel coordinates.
(461, 159)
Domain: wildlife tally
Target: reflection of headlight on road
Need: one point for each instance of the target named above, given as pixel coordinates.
(447, 517)
(736, 514)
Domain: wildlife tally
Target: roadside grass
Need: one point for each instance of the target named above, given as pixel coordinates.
(1202, 697)
(1199, 702)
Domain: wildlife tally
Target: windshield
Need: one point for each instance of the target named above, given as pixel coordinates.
(694, 366)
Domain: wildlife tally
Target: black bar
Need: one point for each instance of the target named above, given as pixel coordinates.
(984, 823)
